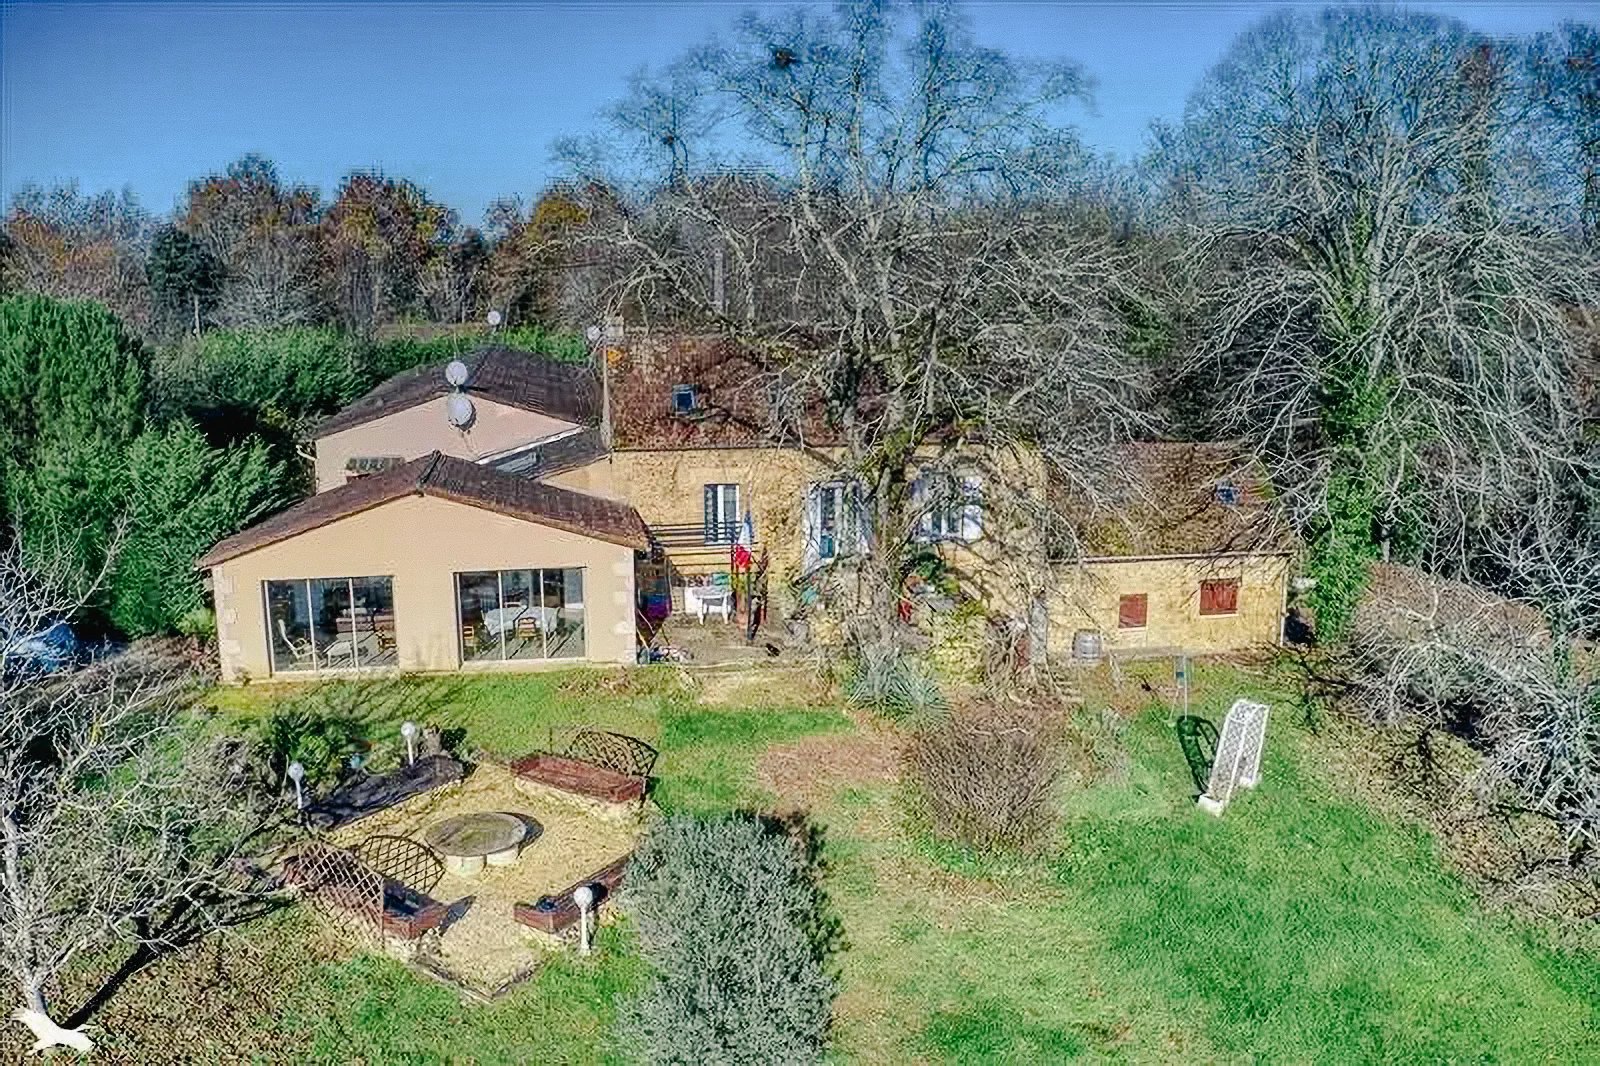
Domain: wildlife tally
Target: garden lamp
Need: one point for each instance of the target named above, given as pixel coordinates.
(583, 896)
(409, 731)
(297, 774)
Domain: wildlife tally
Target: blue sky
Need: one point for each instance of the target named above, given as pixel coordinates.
(467, 98)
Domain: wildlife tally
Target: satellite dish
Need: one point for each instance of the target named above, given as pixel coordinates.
(455, 372)
(458, 410)
(494, 318)
(593, 333)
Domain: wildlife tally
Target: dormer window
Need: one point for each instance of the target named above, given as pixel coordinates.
(1228, 494)
(684, 400)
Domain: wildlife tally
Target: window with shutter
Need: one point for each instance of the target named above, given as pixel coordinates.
(1133, 610)
(721, 514)
(1219, 596)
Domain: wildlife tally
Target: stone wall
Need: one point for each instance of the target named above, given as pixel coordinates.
(667, 487)
(1087, 596)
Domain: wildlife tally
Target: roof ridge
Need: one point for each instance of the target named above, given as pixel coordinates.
(427, 471)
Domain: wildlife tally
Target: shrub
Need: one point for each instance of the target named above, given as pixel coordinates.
(987, 775)
(893, 682)
(384, 358)
(199, 625)
(737, 930)
(268, 382)
(959, 641)
(322, 743)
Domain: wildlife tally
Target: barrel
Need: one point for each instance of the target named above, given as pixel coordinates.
(1088, 645)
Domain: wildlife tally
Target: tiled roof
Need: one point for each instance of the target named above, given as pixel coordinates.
(738, 397)
(520, 379)
(569, 453)
(1171, 500)
(1404, 605)
(452, 479)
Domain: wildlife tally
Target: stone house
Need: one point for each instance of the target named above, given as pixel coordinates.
(524, 512)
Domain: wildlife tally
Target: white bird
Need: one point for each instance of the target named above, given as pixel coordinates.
(49, 1034)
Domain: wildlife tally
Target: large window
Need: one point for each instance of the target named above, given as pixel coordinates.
(331, 623)
(835, 521)
(521, 614)
(722, 514)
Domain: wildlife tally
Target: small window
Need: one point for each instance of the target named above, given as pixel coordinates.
(365, 465)
(1219, 596)
(722, 514)
(952, 508)
(1133, 610)
(1228, 494)
(684, 401)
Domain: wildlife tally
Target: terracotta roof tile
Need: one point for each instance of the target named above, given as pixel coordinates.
(1171, 501)
(520, 379)
(735, 389)
(451, 479)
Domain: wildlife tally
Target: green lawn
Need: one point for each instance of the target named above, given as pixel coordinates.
(1300, 927)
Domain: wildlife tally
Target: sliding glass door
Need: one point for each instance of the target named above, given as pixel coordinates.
(339, 623)
(521, 614)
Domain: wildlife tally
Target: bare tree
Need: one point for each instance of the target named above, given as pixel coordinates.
(62, 243)
(118, 821)
(263, 231)
(900, 225)
(1565, 67)
(1387, 283)
(1431, 654)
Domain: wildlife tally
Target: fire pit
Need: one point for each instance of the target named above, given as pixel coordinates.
(468, 841)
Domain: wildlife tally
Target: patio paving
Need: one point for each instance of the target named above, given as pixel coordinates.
(717, 642)
(481, 947)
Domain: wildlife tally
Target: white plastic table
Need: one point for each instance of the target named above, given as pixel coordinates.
(701, 600)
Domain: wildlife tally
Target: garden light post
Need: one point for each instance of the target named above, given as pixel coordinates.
(297, 774)
(583, 896)
(409, 731)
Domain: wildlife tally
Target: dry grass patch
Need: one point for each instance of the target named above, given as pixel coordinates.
(761, 686)
(806, 774)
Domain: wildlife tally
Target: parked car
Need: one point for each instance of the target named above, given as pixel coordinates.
(49, 650)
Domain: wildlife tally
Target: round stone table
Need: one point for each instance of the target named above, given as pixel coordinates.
(467, 841)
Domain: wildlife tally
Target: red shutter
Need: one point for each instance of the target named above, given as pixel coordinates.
(1220, 596)
(1133, 610)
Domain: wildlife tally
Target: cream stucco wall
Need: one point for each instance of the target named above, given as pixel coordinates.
(418, 430)
(423, 543)
(1086, 597)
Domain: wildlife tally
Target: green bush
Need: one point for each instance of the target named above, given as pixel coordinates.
(385, 358)
(322, 743)
(199, 624)
(269, 382)
(738, 933)
(72, 399)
